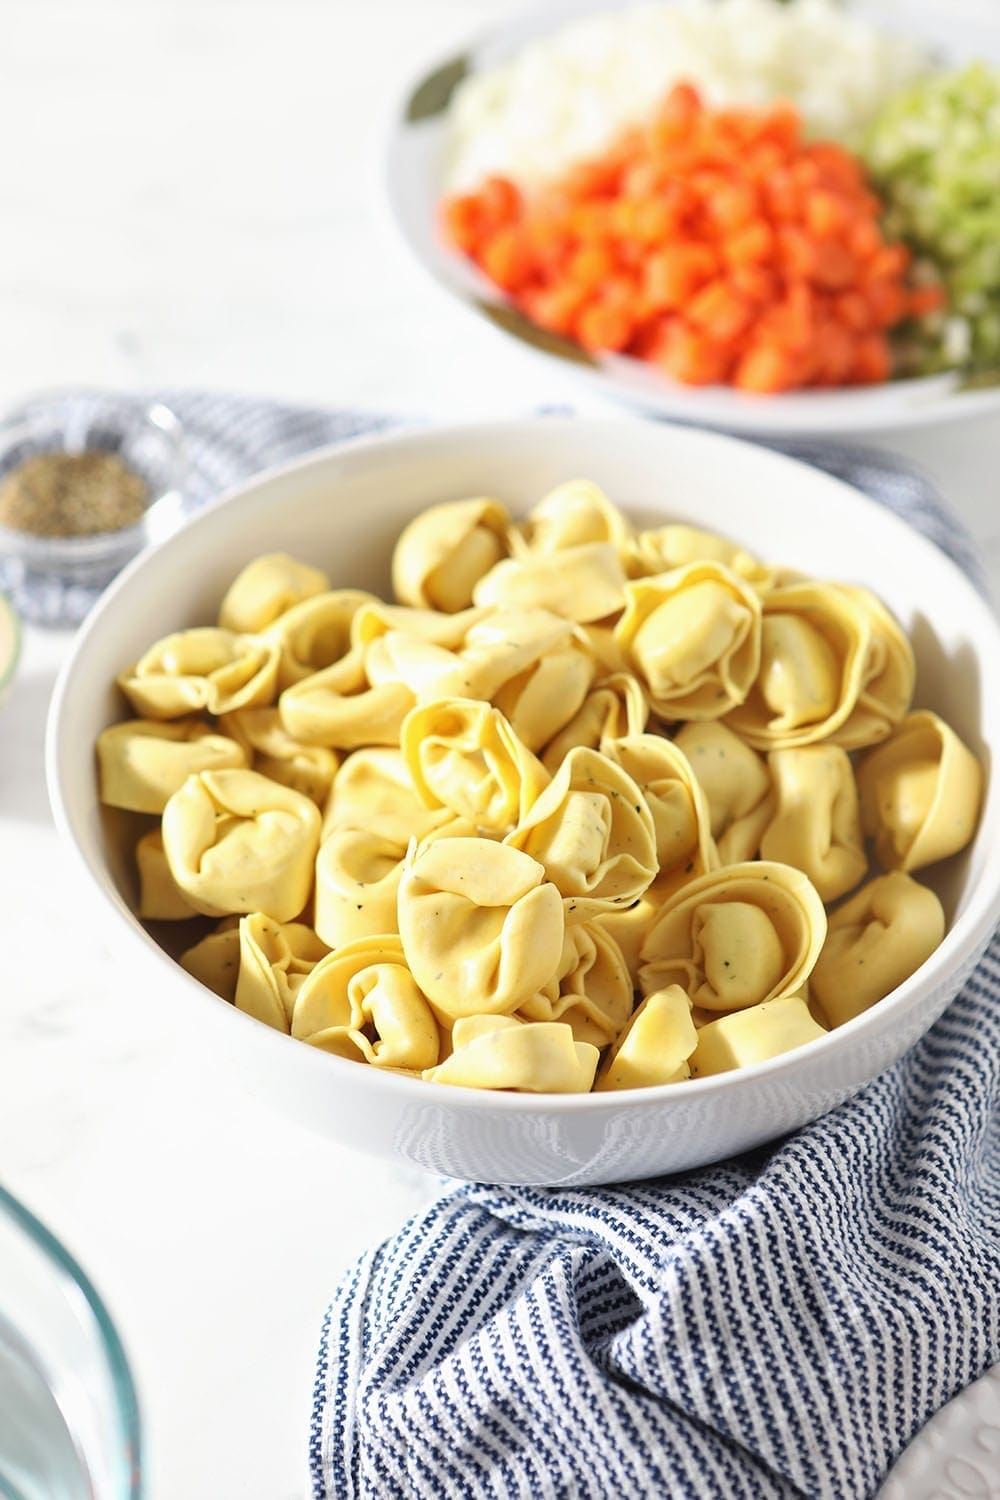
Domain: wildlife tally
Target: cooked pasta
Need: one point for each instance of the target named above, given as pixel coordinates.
(572, 811)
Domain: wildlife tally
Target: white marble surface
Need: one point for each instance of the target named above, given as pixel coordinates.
(190, 197)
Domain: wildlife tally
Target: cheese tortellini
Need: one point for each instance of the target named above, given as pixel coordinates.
(363, 1001)
(142, 762)
(692, 636)
(202, 670)
(464, 756)
(878, 938)
(237, 842)
(267, 588)
(920, 793)
(482, 927)
(737, 937)
(592, 832)
(443, 553)
(816, 824)
(565, 813)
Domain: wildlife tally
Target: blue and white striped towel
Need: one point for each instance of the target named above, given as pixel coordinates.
(775, 1326)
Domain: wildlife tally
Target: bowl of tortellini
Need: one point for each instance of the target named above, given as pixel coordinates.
(550, 801)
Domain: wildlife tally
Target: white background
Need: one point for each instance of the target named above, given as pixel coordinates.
(190, 196)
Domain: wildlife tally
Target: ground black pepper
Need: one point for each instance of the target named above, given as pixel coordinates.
(72, 494)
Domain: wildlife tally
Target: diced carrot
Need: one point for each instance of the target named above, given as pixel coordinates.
(833, 266)
(826, 213)
(864, 239)
(590, 266)
(766, 368)
(719, 311)
(555, 307)
(714, 243)
(733, 206)
(889, 261)
(781, 125)
(925, 299)
(751, 244)
(506, 259)
(462, 221)
(757, 284)
(797, 252)
(887, 301)
(601, 325)
(872, 362)
(852, 311)
(501, 201)
(692, 358)
(674, 273)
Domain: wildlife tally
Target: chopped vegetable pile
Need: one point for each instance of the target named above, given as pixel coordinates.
(935, 153)
(718, 244)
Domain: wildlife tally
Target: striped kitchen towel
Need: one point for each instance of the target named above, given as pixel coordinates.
(775, 1326)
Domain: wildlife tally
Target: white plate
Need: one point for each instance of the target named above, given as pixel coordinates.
(957, 1455)
(415, 182)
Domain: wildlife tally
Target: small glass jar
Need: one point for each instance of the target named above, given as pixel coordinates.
(69, 1422)
(55, 579)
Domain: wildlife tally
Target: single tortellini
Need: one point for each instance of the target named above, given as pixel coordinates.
(920, 793)
(877, 939)
(202, 670)
(655, 1046)
(815, 651)
(888, 678)
(753, 1035)
(275, 958)
(677, 546)
(463, 755)
(373, 789)
(358, 871)
(237, 842)
(362, 1002)
(497, 646)
(482, 928)
(539, 702)
(215, 960)
(740, 936)
(341, 708)
(613, 709)
(591, 990)
(593, 833)
(265, 589)
(571, 515)
(308, 769)
(160, 897)
(577, 583)
(315, 633)
(501, 1052)
(142, 762)
(444, 551)
(692, 637)
(736, 782)
(679, 807)
(816, 824)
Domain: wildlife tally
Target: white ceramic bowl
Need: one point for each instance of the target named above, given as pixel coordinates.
(344, 508)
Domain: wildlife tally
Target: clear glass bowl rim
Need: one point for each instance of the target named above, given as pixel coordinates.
(69, 1270)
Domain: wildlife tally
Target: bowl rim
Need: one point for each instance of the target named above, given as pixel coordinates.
(963, 943)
